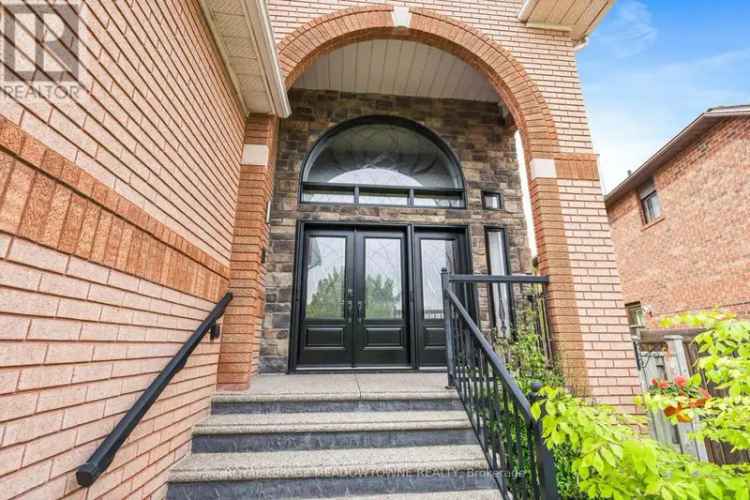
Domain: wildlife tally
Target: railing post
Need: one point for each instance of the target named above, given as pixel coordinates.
(546, 462)
(448, 328)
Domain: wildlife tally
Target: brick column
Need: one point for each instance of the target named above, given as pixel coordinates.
(242, 322)
(586, 306)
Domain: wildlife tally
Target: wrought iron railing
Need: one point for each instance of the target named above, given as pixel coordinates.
(499, 411)
(105, 453)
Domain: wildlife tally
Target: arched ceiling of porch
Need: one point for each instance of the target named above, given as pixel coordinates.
(397, 67)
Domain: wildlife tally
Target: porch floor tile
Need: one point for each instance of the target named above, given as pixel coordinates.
(354, 385)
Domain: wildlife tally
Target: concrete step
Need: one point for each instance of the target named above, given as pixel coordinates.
(226, 403)
(310, 431)
(441, 495)
(331, 473)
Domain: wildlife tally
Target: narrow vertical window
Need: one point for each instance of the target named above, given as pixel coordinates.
(650, 204)
(498, 265)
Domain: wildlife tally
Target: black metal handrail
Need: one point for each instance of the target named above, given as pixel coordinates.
(105, 453)
(499, 411)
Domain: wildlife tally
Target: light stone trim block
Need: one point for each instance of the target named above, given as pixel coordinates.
(255, 154)
(401, 17)
(543, 167)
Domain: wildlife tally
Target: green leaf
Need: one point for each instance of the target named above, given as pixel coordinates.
(714, 488)
(653, 488)
(598, 463)
(592, 491)
(608, 456)
(536, 410)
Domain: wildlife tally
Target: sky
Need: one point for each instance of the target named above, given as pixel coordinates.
(652, 66)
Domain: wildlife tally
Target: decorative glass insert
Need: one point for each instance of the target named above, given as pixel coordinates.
(436, 255)
(325, 277)
(381, 160)
(383, 287)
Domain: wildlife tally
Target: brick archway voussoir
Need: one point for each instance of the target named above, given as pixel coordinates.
(299, 49)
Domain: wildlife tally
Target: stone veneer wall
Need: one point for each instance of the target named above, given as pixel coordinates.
(474, 130)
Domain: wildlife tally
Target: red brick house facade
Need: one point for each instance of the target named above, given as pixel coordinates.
(693, 254)
(143, 182)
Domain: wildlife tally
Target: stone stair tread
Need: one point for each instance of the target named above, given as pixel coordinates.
(327, 463)
(240, 423)
(244, 397)
(438, 495)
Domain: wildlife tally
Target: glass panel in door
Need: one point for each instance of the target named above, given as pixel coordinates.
(436, 255)
(325, 277)
(380, 326)
(324, 334)
(383, 284)
(434, 252)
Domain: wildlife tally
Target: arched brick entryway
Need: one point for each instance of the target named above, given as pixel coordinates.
(572, 232)
(301, 48)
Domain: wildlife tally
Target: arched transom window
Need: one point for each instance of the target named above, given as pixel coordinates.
(379, 160)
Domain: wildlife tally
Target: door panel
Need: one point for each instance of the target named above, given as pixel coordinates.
(380, 282)
(433, 253)
(384, 337)
(325, 323)
(324, 337)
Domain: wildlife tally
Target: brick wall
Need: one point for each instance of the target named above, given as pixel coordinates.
(698, 255)
(95, 298)
(241, 340)
(117, 209)
(547, 56)
(153, 115)
(586, 310)
(79, 342)
(473, 130)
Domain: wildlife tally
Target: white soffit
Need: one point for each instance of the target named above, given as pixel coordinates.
(397, 67)
(578, 17)
(242, 31)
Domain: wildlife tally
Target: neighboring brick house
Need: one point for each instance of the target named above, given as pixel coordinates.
(156, 155)
(680, 221)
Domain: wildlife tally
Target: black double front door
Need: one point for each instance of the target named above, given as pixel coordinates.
(372, 297)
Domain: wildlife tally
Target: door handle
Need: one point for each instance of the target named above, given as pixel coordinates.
(360, 309)
(347, 309)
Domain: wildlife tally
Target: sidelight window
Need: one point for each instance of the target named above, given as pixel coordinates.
(384, 161)
(498, 265)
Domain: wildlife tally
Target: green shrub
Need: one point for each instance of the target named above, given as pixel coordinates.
(527, 363)
(725, 362)
(611, 458)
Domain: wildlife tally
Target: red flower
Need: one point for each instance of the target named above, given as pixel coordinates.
(704, 393)
(681, 381)
(662, 384)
